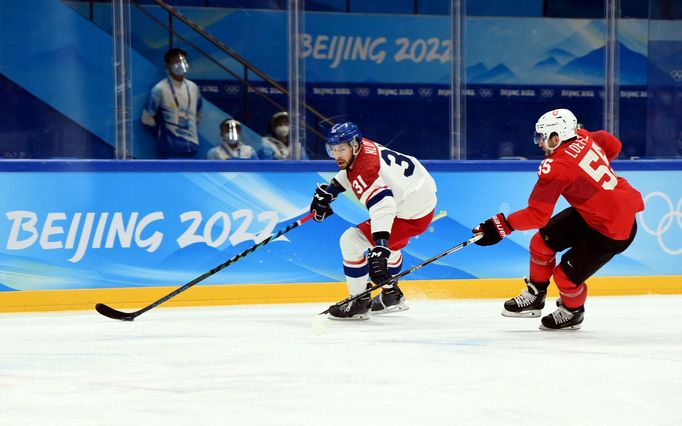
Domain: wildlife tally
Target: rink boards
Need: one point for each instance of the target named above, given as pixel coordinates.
(127, 233)
(135, 298)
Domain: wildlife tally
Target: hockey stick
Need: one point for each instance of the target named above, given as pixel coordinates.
(129, 316)
(395, 279)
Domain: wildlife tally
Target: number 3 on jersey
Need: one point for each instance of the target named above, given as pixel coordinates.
(400, 160)
(590, 164)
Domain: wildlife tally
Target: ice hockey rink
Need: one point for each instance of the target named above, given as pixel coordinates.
(453, 362)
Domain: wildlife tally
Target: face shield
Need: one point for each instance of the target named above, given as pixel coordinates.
(539, 138)
(179, 67)
(230, 134)
(338, 150)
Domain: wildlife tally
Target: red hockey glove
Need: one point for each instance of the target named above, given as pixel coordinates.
(493, 229)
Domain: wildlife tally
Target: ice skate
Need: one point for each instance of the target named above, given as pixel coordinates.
(351, 311)
(389, 300)
(563, 318)
(529, 303)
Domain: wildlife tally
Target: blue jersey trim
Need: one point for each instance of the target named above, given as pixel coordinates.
(378, 197)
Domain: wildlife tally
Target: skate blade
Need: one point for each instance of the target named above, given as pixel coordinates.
(358, 317)
(573, 327)
(524, 314)
(391, 309)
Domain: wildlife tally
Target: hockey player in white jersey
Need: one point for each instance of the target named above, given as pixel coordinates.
(400, 196)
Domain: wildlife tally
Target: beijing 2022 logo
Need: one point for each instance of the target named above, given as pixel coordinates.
(663, 220)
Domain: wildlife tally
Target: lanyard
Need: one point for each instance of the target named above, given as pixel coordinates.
(189, 95)
(233, 152)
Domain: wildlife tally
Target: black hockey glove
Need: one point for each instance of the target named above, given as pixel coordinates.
(321, 204)
(493, 229)
(377, 263)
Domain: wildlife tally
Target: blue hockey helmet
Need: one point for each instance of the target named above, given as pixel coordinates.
(343, 133)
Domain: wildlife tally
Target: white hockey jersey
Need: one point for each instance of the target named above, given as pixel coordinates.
(390, 184)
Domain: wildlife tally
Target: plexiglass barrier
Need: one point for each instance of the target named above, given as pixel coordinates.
(448, 79)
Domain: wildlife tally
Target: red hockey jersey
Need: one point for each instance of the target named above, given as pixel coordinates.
(580, 171)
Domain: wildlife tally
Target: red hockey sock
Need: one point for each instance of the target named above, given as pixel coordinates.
(542, 259)
(572, 295)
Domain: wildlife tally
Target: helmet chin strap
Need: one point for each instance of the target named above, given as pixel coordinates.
(356, 147)
(550, 150)
(356, 150)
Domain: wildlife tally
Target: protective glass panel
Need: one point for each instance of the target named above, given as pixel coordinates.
(663, 82)
(229, 78)
(55, 82)
(438, 79)
(386, 66)
(526, 58)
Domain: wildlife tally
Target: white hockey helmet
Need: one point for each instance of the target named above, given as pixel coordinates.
(560, 121)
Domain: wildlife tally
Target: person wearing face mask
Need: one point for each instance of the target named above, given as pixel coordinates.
(173, 109)
(275, 145)
(231, 145)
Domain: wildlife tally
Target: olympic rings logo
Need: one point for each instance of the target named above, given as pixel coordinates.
(485, 93)
(231, 89)
(666, 221)
(362, 91)
(425, 92)
(676, 75)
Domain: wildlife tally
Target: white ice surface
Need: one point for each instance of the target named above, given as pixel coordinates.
(440, 363)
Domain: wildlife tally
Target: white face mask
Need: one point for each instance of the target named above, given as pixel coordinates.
(230, 140)
(282, 131)
(180, 68)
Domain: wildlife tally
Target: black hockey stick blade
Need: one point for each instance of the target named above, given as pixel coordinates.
(395, 279)
(130, 316)
(113, 313)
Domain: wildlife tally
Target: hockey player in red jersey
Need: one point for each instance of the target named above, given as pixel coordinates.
(599, 224)
(400, 196)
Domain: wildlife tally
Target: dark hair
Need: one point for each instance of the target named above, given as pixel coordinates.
(171, 53)
(278, 118)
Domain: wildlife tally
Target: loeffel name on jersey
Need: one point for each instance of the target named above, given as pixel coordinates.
(575, 148)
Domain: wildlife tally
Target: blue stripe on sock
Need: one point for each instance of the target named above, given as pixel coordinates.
(395, 270)
(355, 272)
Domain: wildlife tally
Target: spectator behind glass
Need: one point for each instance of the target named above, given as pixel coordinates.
(231, 145)
(275, 144)
(173, 109)
(505, 151)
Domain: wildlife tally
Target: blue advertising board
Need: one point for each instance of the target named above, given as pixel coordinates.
(144, 224)
(416, 49)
